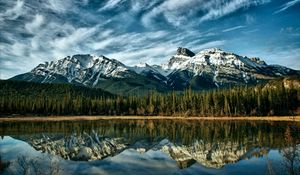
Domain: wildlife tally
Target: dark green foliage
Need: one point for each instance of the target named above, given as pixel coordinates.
(62, 99)
(17, 97)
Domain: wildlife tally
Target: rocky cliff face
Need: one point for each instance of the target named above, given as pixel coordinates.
(185, 52)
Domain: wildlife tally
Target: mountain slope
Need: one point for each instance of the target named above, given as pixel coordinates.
(92, 71)
(210, 68)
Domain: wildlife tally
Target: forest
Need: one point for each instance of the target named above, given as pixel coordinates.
(27, 98)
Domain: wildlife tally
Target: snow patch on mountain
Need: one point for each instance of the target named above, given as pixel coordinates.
(142, 67)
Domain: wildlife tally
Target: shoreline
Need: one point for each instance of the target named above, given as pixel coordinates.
(95, 118)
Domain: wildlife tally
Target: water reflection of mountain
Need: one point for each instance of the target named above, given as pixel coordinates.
(78, 146)
(211, 144)
(94, 147)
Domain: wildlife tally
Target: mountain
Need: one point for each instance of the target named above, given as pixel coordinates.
(213, 68)
(210, 68)
(96, 72)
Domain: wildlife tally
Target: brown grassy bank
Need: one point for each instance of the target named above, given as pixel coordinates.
(82, 118)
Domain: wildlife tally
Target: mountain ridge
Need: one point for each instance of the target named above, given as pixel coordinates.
(210, 68)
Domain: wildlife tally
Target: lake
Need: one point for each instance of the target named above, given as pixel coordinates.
(150, 147)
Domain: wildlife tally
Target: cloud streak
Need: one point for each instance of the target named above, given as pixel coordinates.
(220, 9)
(233, 28)
(110, 4)
(287, 5)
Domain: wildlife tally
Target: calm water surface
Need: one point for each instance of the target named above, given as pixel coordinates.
(150, 147)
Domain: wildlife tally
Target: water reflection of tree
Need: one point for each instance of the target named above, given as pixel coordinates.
(291, 154)
(181, 132)
(3, 165)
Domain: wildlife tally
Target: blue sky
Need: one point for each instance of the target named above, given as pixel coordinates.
(133, 31)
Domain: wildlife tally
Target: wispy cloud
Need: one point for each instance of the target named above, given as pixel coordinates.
(250, 19)
(287, 56)
(287, 5)
(294, 31)
(110, 4)
(60, 6)
(172, 11)
(210, 44)
(77, 36)
(233, 28)
(132, 40)
(153, 55)
(251, 31)
(178, 12)
(219, 9)
(34, 25)
(14, 12)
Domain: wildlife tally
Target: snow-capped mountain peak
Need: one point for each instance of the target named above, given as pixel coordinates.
(218, 67)
(212, 57)
(209, 68)
(81, 68)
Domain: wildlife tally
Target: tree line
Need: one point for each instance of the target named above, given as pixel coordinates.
(60, 99)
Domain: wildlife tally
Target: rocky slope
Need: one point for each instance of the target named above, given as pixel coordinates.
(210, 68)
